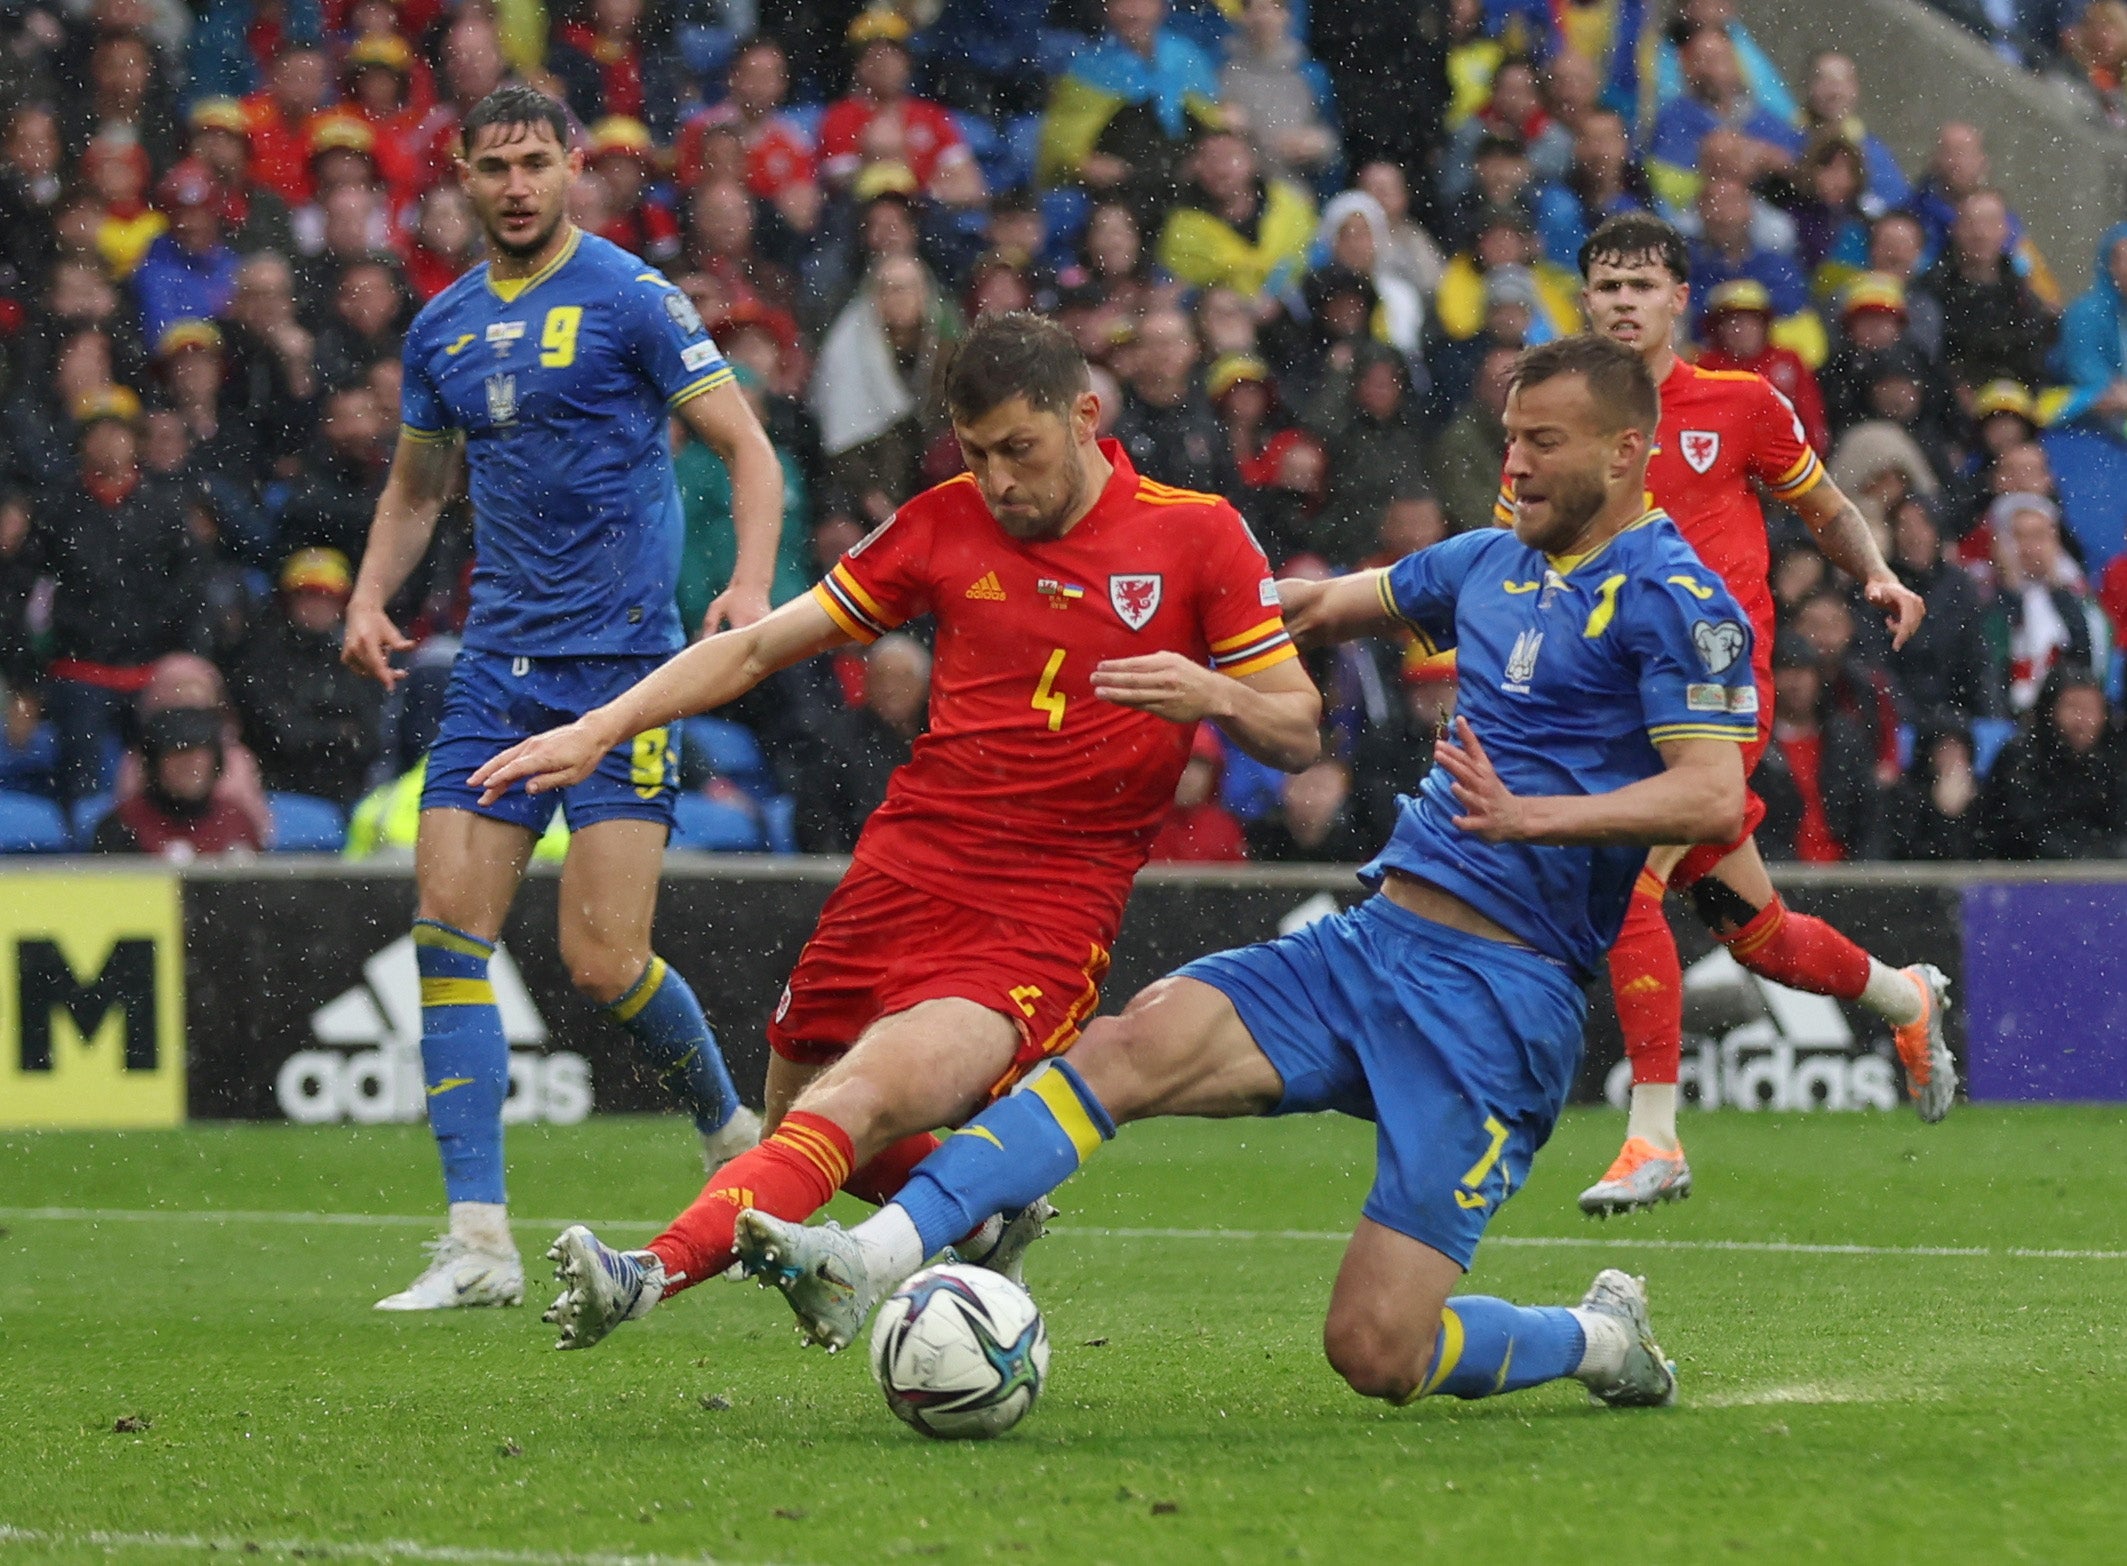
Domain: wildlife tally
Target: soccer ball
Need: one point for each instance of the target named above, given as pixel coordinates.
(960, 1353)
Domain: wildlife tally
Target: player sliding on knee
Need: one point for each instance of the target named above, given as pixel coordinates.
(1449, 1008)
(1725, 437)
(1087, 620)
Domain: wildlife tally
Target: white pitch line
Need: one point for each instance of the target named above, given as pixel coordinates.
(1613, 1241)
(333, 1549)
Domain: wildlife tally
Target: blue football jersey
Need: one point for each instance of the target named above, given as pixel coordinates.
(561, 384)
(1569, 671)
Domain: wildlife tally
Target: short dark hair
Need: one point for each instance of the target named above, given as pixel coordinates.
(1015, 354)
(1617, 378)
(1637, 236)
(514, 104)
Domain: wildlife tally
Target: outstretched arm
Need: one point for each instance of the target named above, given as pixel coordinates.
(1842, 532)
(1338, 610)
(713, 671)
(1696, 798)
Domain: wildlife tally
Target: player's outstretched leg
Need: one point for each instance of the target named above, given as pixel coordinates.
(466, 1063)
(1746, 915)
(600, 1287)
(662, 1015)
(1648, 982)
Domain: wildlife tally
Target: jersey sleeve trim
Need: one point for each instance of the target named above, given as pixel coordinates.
(1254, 660)
(1804, 476)
(851, 607)
(421, 437)
(1255, 633)
(1663, 733)
(1503, 507)
(1427, 646)
(708, 383)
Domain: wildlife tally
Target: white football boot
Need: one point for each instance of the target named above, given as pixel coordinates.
(1930, 1073)
(1641, 1176)
(600, 1287)
(737, 1135)
(1648, 1377)
(461, 1275)
(821, 1270)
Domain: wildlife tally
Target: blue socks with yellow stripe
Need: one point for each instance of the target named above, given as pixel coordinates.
(1488, 1346)
(465, 1059)
(666, 1022)
(1021, 1147)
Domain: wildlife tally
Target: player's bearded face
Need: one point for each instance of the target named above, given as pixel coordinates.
(517, 177)
(1030, 466)
(1560, 462)
(1635, 302)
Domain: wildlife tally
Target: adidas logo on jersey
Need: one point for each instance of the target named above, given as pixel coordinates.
(988, 588)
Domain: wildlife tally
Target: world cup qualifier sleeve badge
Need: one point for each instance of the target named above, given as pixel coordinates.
(1135, 598)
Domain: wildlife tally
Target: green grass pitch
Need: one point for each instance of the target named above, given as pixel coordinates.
(1951, 1393)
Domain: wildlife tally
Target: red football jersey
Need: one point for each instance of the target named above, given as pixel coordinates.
(1027, 789)
(1719, 430)
(928, 137)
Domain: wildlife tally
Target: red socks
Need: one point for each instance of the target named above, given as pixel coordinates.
(879, 1181)
(792, 1174)
(1648, 982)
(1800, 952)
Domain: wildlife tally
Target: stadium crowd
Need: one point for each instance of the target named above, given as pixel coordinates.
(1300, 244)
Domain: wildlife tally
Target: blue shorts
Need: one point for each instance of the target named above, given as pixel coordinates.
(494, 701)
(1461, 1050)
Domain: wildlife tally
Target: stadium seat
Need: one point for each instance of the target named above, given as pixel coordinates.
(31, 824)
(780, 816)
(1989, 735)
(2090, 470)
(716, 828)
(29, 769)
(732, 752)
(86, 815)
(305, 824)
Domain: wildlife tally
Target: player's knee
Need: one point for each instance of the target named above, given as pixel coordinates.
(603, 973)
(1375, 1357)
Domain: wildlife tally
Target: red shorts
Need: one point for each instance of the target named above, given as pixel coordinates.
(882, 946)
(1699, 863)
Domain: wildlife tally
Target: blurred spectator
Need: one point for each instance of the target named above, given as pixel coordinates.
(381, 97)
(711, 545)
(1503, 266)
(1851, 684)
(605, 69)
(1739, 320)
(1471, 453)
(113, 543)
(2043, 615)
(176, 815)
(473, 65)
(253, 217)
(1276, 96)
(190, 365)
(1603, 180)
(2059, 789)
(1312, 821)
(2092, 355)
(1947, 666)
(1933, 814)
(335, 494)
(1233, 228)
(445, 243)
(32, 166)
(881, 121)
(1283, 466)
(280, 113)
(310, 719)
(1767, 88)
(1368, 422)
(1119, 118)
(1897, 252)
(721, 245)
(1818, 780)
(1514, 112)
(845, 777)
(1900, 429)
(623, 159)
(1502, 184)
(1833, 105)
(188, 273)
(987, 57)
(1354, 236)
(1200, 830)
(872, 387)
(1715, 96)
(366, 321)
(2097, 43)
(1992, 323)
(1832, 220)
(1118, 263)
(1394, 750)
(1872, 318)
(1166, 423)
(271, 361)
(126, 92)
(116, 172)
(1959, 168)
(1726, 251)
(777, 153)
(1410, 253)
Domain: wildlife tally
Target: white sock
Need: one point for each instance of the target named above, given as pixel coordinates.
(893, 1250)
(1892, 995)
(1654, 1114)
(1608, 1341)
(483, 1225)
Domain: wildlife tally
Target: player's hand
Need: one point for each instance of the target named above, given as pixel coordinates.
(552, 760)
(735, 608)
(1900, 604)
(1297, 599)
(370, 641)
(1493, 813)
(1165, 684)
